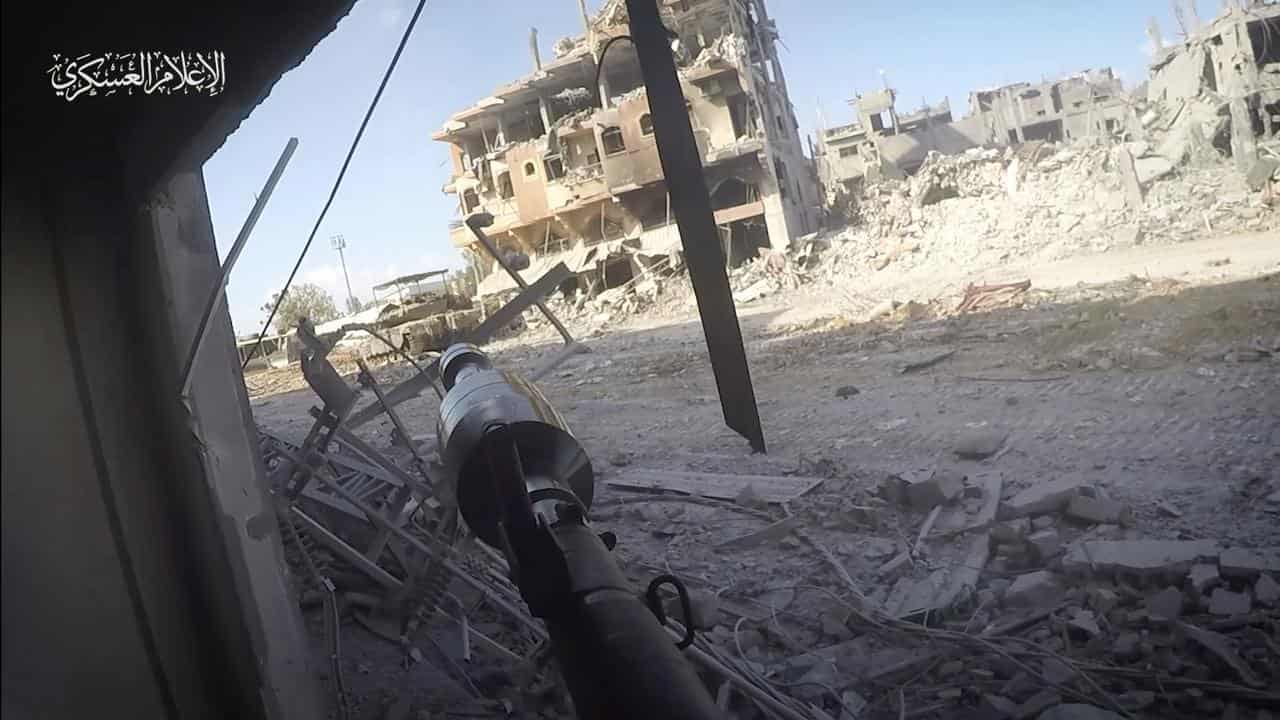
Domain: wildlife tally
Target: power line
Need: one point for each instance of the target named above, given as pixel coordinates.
(404, 39)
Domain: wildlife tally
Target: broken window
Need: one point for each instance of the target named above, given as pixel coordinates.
(646, 124)
(505, 191)
(593, 158)
(470, 201)
(780, 168)
(611, 138)
(781, 125)
(530, 169)
(555, 167)
(850, 151)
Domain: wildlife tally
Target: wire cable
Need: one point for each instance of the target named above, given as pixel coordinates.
(404, 39)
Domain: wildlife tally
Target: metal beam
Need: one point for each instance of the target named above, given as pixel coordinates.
(682, 168)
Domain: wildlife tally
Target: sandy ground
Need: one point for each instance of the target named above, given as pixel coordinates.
(1125, 369)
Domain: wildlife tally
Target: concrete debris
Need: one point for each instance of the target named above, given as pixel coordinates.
(1033, 590)
(1103, 600)
(1041, 498)
(1045, 544)
(1226, 602)
(1010, 532)
(940, 488)
(1084, 622)
(1266, 591)
(1099, 511)
(1166, 605)
(1139, 558)
(980, 443)
(1203, 578)
(1247, 563)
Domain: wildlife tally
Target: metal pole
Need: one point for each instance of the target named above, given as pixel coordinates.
(219, 288)
(474, 224)
(339, 243)
(691, 205)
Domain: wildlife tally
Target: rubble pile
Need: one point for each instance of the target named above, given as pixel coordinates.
(1043, 201)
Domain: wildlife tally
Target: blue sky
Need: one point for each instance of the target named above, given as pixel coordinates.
(390, 208)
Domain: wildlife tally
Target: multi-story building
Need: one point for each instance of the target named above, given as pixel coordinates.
(569, 168)
(884, 143)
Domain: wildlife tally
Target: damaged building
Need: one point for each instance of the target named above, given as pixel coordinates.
(882, 143)
(570, 171)
(1229, 66)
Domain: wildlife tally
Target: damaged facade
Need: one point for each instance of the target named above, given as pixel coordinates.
(1233, 61)
(570, 171)
(882, 143)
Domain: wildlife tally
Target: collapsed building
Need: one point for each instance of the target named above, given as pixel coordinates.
(569, 167)
(882, 143)
(1232, 64)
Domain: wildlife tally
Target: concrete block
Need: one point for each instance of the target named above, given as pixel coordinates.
(1203, 578)
(1225, 602)
(1041, 498)
(1045, 544)
(980, 443)
(1145, 558)
(940, 488)
(1033, 589)
(1084, 622)
(1267, 591)
(1010, 532)
(1103, 600)
(1165, 605)
(1247, 563)
(1099, 511)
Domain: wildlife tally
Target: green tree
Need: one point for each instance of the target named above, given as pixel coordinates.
(302, 301)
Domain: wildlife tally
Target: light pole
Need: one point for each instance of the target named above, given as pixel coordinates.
(338, 242)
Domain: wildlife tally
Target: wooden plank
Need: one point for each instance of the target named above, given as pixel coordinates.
(769, 488)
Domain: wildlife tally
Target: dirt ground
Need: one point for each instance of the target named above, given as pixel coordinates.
(1152, 374)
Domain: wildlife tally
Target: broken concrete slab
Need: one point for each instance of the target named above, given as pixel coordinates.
(940, 488)
(979, 443)
(1103, 600)
(1166, 605)
(1041, 498)
(1084, 622)
(1203, 578)
(1099, 511)
(1045, 544)
(1226, 602)
(1144, 558)
(1010, 532)
(1247, 563)
(1151, 168)
(1033, 589)
(1266, 591)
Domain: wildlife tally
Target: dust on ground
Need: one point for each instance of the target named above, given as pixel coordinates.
(1154, 386)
